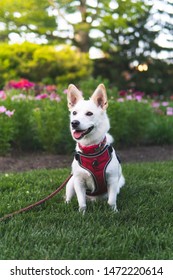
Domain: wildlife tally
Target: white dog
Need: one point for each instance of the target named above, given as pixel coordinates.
(96, 169)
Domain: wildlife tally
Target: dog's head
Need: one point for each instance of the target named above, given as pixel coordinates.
(88, 119)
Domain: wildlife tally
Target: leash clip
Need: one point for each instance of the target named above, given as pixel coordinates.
(95, 163)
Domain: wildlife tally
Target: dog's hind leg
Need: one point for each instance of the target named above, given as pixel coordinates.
(70, 192)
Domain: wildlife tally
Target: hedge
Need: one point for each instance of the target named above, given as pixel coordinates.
(43, 63)
(42, 122)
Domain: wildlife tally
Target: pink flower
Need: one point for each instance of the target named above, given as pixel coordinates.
(164, 103)
(2, 109)
(120, 100)
(138, 98)
(155, 104)
(169, 111)
(129, 97)
(54, 96)
(3, 95)
(65, 91)
(9, 113)
(41, 96)
(139, 93)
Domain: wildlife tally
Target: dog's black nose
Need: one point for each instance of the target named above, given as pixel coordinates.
(75, 123)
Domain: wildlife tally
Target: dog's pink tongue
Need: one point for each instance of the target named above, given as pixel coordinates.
(77, 134)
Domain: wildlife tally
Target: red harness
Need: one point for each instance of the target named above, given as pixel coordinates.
(95, 160)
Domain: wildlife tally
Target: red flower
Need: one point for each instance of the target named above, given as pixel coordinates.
(21, 84)
(122, 93)
(51, 88)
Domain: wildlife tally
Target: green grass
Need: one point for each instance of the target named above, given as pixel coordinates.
(143, 228)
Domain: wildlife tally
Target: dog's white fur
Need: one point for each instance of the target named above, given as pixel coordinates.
(81, 178)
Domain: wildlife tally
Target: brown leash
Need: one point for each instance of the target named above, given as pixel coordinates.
(38, 202)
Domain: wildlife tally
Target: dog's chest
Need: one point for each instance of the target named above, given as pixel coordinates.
(96, 165)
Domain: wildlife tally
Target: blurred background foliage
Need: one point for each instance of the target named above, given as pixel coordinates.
(43, 63)
(129, 42)
(33, 121)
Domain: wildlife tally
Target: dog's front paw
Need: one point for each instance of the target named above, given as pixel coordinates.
(114, 208)
(67, 201)
(82, 210)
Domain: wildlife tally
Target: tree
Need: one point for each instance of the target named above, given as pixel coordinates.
(161, 20)
(123, 29)
(24, 18)
(114, 26)
(101, 23)
(84, 23)
(132, 46)
(106, 24)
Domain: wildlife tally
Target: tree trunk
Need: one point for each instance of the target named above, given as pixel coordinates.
(81, 30)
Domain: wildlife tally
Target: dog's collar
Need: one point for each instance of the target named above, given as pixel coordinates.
(93, 148)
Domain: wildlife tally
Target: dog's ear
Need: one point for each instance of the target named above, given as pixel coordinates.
(100, 97)
(73, 96)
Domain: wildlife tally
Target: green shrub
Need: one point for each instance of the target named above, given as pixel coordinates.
(42, 123)
(161, 131)
(51, 126)
(89, 85)
(60, 65)
(43, 63)
(6, 133)
(129, 122)
(24, 138)
(15, 61)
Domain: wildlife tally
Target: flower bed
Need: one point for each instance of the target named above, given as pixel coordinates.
(35, 117)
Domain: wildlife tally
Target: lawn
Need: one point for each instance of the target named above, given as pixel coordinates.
(143, 228)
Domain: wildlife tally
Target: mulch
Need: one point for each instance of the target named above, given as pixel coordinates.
(19, 162)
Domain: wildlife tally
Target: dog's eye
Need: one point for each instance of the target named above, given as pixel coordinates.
(89, 114)
(74, 113)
